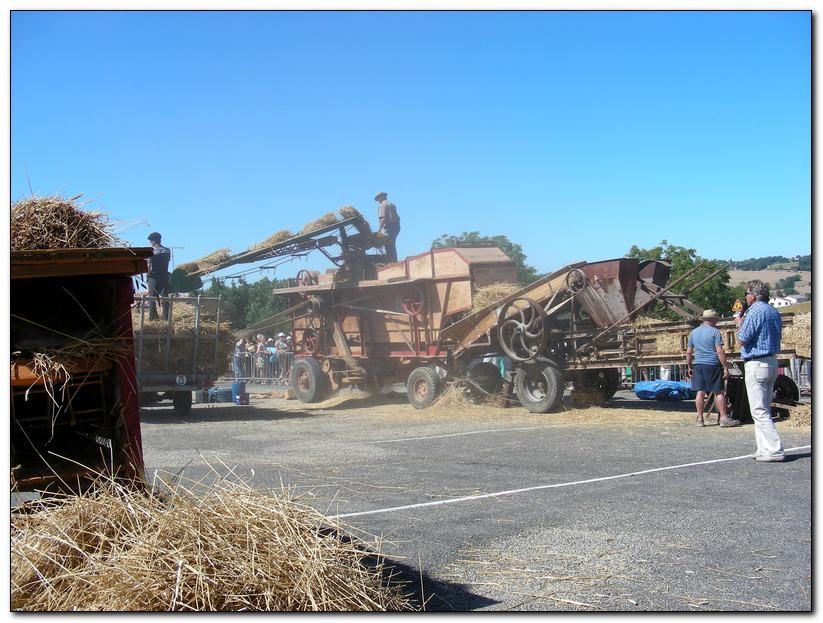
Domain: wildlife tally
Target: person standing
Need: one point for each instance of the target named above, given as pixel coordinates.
(759, 332)
(158, 276)
(389, 224)
(706, 361)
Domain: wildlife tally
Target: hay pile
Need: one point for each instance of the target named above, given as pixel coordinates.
(667, 342)
(454, 396)
(213, 260)
(189, 267)
(798, 335)
(800, 415)
(228, 549)
(39, 223)
(326, 219)
(486, 295)
(183, 332)
(276, 238)
(348, 212)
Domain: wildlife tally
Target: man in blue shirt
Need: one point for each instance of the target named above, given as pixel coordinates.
(158, 276)
(759, 332)
(708, 372)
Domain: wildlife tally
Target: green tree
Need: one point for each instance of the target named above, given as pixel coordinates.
(715, 293)
(525, 273)
(245, 304)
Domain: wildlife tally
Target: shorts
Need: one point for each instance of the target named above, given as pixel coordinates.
(707, 378)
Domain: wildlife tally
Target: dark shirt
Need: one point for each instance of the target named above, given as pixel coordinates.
(390, 222)
(159, 262)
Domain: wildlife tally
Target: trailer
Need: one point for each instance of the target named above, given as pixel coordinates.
(172, 363)
(74, 407)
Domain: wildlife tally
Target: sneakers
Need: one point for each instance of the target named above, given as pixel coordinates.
(775, 458)
(728, 423)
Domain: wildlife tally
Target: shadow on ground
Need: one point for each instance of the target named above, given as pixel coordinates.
(160, 413)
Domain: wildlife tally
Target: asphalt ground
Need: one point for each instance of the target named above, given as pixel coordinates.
(625, 508)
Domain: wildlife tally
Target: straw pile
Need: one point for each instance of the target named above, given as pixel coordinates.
(56, 223)
(798, 335)
(276, 238)
(454, 396)
(213, 260)
(349, 212)
(486, 295)
(326, 219)
(800, 415)
(189, 267)
(667, 342)
(230, 548)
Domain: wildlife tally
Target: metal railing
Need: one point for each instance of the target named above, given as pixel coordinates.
(263, 368)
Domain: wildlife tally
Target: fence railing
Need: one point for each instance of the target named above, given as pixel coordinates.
(263, 368)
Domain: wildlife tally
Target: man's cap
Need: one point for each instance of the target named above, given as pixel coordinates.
(281, 334)
(289, 337)
(709, 314)
(154, 236)
(380, 196)
(271, 339)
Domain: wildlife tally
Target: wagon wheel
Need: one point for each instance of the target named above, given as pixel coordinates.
(576, 281)
(311, 341)
(306, 278)
(413, 303)
(522, 329)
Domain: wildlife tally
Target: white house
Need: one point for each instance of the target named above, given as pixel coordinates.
(785, 301)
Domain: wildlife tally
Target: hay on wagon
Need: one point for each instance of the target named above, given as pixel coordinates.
(275, 238)
(327, 219)
(486, 295)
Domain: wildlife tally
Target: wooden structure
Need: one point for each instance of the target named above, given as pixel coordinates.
(65, 427)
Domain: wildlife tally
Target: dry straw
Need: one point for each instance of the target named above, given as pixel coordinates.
(213, 260)
(212, 547)
(276, 238)
(798, 335)
(326, 219)
(486, 295)
(39, 223)
(348, 212)
(800, 416)
(189, 267)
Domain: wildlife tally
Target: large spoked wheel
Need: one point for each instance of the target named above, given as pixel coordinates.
(311, 341)
(522, 329)
(423, 386)
(306, 278)
(785, 391)
(539, 387)
(413, 302)
(576, 281)
(182, 402)
(308, 380)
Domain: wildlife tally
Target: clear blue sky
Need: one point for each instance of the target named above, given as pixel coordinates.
(576, 134)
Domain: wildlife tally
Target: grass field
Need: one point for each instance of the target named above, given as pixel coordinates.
(804, 286)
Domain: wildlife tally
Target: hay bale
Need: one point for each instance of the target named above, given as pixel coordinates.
(486, 295)
(323, 221)
(221, 547)
(348, 212)
(189, 267)
(798, 335)
(276, 238)
(213, 260)
(454, 396)
(800, 416)
(39, 223)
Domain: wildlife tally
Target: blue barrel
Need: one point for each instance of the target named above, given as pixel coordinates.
(237, 388)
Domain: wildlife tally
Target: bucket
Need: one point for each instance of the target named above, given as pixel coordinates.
(237, 388)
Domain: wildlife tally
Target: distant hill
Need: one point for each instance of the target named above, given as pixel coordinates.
(771, 277)
(774, 262)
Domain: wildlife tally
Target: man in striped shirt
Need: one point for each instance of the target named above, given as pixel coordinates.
(759, 332)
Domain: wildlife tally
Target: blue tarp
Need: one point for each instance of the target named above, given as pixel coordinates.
(663, 390)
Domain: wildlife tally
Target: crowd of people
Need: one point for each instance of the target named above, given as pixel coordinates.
(263, 359)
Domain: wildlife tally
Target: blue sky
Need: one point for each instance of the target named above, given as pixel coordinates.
(576, 134)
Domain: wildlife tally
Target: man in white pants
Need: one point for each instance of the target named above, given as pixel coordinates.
(759, 332)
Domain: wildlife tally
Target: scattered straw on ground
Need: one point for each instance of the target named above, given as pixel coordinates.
(800, 416)
(326, 219)
(454, 395)
(798, 335)
(486, 295)
(276, 238)
(217, 547)
(39, 223)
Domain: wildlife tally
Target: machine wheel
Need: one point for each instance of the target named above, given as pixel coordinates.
(522, 329)
(182, 402)
(487, 376)
(308, 380)
(607, 381)
(785, 391)
(539, 386)
(423, 386)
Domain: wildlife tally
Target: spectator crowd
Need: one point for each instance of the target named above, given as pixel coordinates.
(265, 360)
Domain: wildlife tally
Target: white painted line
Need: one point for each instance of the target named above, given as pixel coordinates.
(473, 432)
(470, 498)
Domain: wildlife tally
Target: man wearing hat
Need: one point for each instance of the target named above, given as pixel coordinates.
(706, 360)
(759, 332)
(158, 276)
(389, 224)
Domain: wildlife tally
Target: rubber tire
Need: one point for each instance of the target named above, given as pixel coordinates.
(423, 387)
(182, 402)
(549, 374)
(316, 389)
(487, 376)
(608, 384)
(785, 390)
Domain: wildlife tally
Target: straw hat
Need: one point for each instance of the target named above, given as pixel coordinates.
(709, 314)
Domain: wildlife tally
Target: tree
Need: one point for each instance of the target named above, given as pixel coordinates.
(526, 274)
(248, 303)
(715, 293)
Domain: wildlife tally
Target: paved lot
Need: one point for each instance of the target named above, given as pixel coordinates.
(626, 508)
